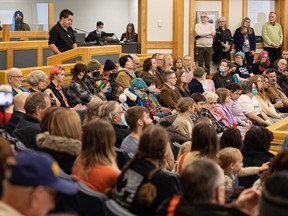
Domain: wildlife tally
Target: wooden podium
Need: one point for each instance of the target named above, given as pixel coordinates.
(85, 54)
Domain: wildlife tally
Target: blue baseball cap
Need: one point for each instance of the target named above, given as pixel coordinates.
(33, 168)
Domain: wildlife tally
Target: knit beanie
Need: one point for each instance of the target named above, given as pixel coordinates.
(93, 64)
(240, 54)
(109, 65)
(198, 72)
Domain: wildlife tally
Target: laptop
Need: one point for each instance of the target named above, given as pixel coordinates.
(110, 38)
(80, 37)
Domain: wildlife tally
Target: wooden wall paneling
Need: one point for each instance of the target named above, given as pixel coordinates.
(142, 24)
(178, 27)
(191, 28)
(244, 8)
(51, 22)
(225, 11)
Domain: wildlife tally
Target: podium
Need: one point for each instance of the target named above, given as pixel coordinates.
(85, 54)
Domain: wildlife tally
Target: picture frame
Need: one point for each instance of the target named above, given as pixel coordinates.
(212, 15)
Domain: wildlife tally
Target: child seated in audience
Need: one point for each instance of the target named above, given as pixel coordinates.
(231, 161)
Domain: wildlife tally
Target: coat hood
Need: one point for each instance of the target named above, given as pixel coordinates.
(58, 143)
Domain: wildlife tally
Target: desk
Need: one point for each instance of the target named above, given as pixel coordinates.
(126, 47)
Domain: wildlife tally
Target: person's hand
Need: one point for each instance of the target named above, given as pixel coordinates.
(285, 73)
(279, 104)
(248, 199)
(213, 33)
(174, 112)
(156, 118)
(157, 90)
(78, 107)
(252, 52)
(48, 91)
(264, 166)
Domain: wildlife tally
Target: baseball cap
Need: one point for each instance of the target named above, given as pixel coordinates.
(33, 168)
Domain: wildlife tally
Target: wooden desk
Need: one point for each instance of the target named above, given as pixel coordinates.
(280, 131)
(126, 47)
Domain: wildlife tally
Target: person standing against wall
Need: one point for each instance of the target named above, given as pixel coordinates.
(272, 35)
(61, 36)
(245, 40)
(204, 41)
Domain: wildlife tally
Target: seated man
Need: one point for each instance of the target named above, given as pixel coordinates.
(29, 126)
(137, 118)
(195, 85)
(203, 193)
(243, 70)
(18, 112)
(15, 78)
(276, 93)
(31, 185)
(97, 34)
(169, 93)
(112, 112)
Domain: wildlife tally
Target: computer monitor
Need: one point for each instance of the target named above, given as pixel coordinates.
(110, 38)
(80, 37)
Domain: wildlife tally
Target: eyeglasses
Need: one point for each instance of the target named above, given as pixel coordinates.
(203, 16)
(172, 78)
(213, 103)
(18, 77)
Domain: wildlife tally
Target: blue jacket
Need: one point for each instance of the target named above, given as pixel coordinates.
(22, 89)
(238, 39)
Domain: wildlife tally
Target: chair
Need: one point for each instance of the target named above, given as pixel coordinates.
(115, 209)
(90, 202)
(175, 148)
(122, 157)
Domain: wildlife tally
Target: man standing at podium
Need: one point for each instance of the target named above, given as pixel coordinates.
(61, 36)
(97, 34)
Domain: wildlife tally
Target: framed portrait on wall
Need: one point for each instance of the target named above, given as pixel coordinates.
(212, 17)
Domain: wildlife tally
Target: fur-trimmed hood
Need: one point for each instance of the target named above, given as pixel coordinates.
(57, 143)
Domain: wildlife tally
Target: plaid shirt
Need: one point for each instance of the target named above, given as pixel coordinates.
(219, 125)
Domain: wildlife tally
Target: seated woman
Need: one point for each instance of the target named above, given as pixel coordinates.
(150, 67)
(102, 88)
(208, 84)
(250, 106)
(262, 63)
(135, 92)
(37, 79)
(61, 136)
(182, 83)
(143, 184)
(125, 71)
(168, 62)
(56, 77)
(78, 92)
(263, 100)
(96, 165)
(211, 111)
(150, 101)
(177, 64)
(204, 145)
(222, 105)
(183, 122)
(129, 35)
(236, 109)
(255, 151)
(117, 94)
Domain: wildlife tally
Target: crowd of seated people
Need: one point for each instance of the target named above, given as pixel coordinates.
(83, 124)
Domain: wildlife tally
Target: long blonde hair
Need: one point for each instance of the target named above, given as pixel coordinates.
(65, 123)
(249, 29)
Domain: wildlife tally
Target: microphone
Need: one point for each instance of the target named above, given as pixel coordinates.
(98, 39)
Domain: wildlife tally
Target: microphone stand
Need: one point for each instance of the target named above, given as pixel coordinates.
(99, 41)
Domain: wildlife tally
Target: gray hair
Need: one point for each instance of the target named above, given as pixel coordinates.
(210, 96)
(36, 76)
(222, 19)
(109, 110)
(11, 72)
(246, 86)
(36, 99)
